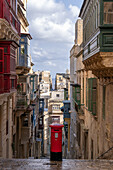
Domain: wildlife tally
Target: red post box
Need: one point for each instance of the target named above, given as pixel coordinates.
(56, 142)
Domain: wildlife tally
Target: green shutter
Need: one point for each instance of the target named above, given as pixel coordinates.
(89, 93)
(64, 94)
(73, 95)
(92, 93)
(78, 95)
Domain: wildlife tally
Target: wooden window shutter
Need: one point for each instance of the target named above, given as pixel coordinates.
(1, 60)
(92, 93)
(89, 93)
(78, 95)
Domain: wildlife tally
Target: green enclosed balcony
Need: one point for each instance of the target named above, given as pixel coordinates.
(98, 36)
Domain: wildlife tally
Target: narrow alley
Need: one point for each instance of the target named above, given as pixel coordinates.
(45, 164)
(56, 85)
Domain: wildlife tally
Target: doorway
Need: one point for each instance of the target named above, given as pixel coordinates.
(86, 145)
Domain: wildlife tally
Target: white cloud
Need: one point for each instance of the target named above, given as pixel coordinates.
(52, 26)
(51, 63)
(75, 10)
(52, 21)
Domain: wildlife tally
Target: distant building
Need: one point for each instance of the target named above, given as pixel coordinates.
(45, 85)
(61, 80)
(46, 77)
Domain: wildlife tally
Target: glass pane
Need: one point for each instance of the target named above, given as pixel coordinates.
(22, 40)
(1, 67)
(108, 12)
(1, 54)
(5, 63)
(5, 49)
(12, 83)
(22, 49)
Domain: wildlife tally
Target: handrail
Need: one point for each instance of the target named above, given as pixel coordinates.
(105, 152)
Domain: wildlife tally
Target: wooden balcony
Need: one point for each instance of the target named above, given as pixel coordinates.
(98, 52)
(22, 102)
(23, 67)
(7, 83)
(9, 23)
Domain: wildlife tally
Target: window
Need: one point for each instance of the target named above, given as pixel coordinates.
(22, 49)
(92, 93)
(76, 92)
(78, 95)
(13, 21)
(5, 49)
(88, 48)
(12, 83)
(40, 121)
(108, 12)
(25, 121)
(22, 40)
(1, 60)
(55, 119)
(57, 95)
(14, 5)
(60, 78)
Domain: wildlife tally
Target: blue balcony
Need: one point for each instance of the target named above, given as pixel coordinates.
(41, 106)
(66, 109)
(24, 52)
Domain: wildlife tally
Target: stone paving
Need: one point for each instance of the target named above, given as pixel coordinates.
(45, 164)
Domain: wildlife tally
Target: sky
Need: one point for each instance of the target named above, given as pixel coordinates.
(52, 27)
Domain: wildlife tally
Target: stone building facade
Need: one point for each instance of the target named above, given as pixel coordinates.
(46, 77)
(93, 85)
(9, 38)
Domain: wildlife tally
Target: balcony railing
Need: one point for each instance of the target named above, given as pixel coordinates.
(22, 102)
(6, 12)
(24, 61)
(33, 96)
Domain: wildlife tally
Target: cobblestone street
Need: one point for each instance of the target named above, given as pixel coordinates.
(43, 164)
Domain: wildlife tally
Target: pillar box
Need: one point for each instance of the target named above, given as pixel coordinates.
(56, 142)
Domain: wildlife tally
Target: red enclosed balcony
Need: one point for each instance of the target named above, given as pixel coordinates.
(8, 78)
(10, 25)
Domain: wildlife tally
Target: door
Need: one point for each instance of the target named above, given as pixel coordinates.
(86, 145)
